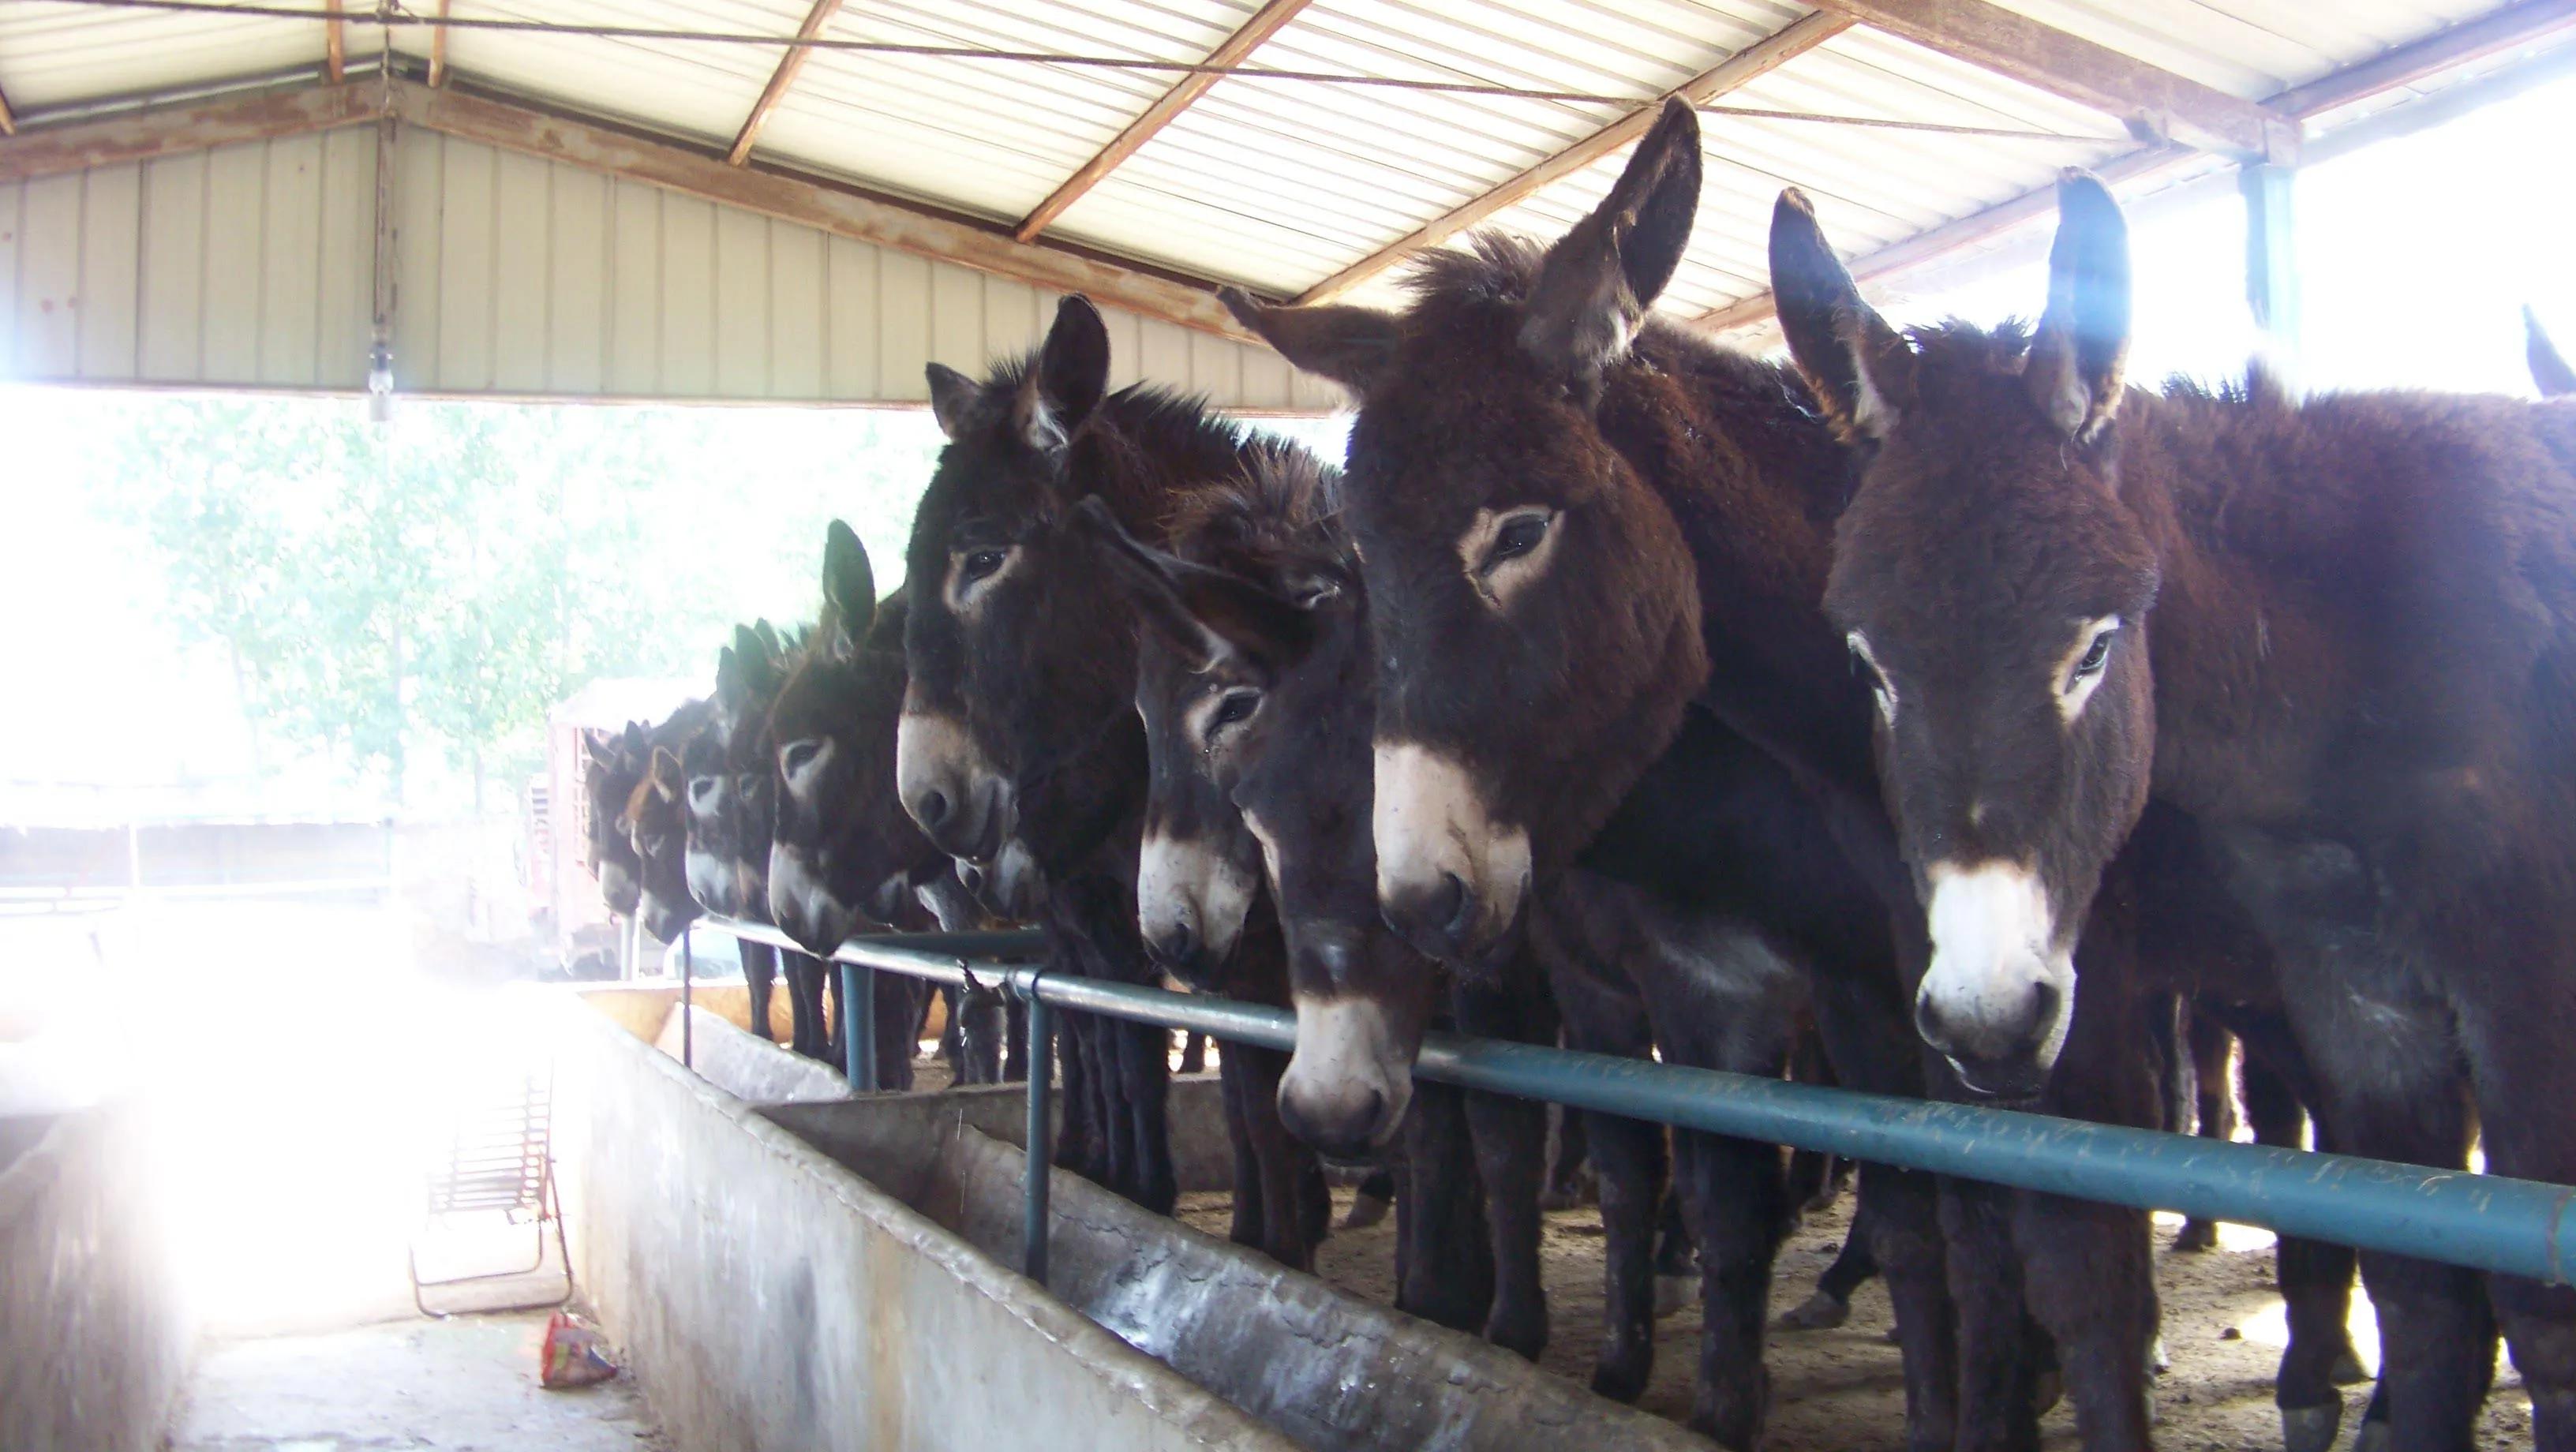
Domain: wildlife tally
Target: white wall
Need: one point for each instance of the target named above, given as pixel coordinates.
(249, 265)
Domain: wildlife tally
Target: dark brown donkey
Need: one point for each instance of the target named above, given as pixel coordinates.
(1579, 527)
(843, 855)
(615, 765)
(2549, 371)
(1257, 683)
(2358, 682)
(656, 827)
(1019, 750)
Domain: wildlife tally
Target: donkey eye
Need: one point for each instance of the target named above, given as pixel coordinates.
(1879, 685)
(701, 788)
(795, 756)
(1519, 535)
(1237, 707)
(2095, 656)
(978, 564)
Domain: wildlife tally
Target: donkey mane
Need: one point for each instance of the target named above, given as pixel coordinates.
(1156, 421)
(1284, 508)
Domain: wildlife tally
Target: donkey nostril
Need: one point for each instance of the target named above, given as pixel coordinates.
(1177, 943)
(934, 809)
(1927, 1022)
(1458, 905)
(2043, 1008)
(1376, 1119)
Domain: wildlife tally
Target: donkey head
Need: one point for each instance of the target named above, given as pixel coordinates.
(710, 814)
(656, 824)
(1536, 613)
(1016, 663)
(843, 851)
(614, 765)
(1258, 685)
(1994, 589)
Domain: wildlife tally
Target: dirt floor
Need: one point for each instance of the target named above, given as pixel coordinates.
(1840, 1390)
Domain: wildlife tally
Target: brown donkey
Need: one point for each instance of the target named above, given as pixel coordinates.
(2358, 681)
(1579, 527)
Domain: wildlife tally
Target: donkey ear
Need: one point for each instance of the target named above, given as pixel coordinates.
(633, 742)
(849, 590)
(2078, 355)
(1209, 615)
(1859, 368)
(664, 775)
(955, 400)
(1059, 392)
(2548, 370)
(1351, 346)
(730, 685)
(1599, 279)
(601, 754)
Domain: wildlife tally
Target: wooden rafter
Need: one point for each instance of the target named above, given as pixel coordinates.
(8, 118)
(2156, 103)
(842, 210)
(335, 45)
(1754, 60)
(2531, 22)
(779, 80)
(438, 49)
(1265, 23)
(194, 126)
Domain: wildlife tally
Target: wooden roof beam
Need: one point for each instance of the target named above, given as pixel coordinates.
(335, 46)
(2530, 23)
(1759, 58)
(780, 79)
(438, 49)
(51, 150)
(8, 118)
(844, 211)
(2157, 104)
(1265, 23)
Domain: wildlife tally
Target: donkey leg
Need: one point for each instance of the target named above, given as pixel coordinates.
(897, 1028)
(1286, 1170)
(759, 976)
(1509, 1136)
(1446, 1268)
(2214, 1103)
(1996, 1408)
(2089, 1273)
(1148, 1083)
(1738, 1199)
(2524, 1086)
(2316, 1285)
(1631, 1167)
(952, 1033)
(1246, 1227)
(1568, 1159)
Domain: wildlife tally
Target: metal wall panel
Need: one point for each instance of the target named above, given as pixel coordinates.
(516, 276)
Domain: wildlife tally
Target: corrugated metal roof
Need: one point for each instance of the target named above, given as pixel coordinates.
(1279, 184)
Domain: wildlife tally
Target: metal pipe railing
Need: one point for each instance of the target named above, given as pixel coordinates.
(2486, 1222)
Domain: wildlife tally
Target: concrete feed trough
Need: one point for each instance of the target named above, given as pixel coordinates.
(816, 1271)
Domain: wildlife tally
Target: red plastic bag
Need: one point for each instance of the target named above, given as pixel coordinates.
(573, 1355)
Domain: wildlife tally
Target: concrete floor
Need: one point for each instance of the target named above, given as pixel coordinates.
(468, 1384)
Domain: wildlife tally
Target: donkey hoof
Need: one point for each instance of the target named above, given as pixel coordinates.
(1819, 1312)
(1365, 1211)
(2197, 1235)
(2347, 1369)
(2310, 1429)
(2047, 1392)
(1622, 1378)
(1674, 1292)
(2373, 1437)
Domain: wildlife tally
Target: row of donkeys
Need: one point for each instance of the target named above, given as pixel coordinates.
(1939, 692)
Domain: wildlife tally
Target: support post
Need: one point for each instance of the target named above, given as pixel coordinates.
(688, 1008)
(2271, 262)
(859, 1026)
(1033, 1208)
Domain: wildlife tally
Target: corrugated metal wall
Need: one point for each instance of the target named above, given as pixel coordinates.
(516, 275)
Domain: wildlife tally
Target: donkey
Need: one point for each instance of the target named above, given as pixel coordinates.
(842, 853)
(655, 824)
(1582, 533)
(713, 812)
(1018, 727)
(1257, 681)
(613, 765)
(2333, 635)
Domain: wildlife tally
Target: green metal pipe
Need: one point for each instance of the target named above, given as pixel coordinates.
(2486, 1222)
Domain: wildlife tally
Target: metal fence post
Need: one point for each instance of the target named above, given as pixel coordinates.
(688, 1005)
(1033, 1210)
(859, 1026)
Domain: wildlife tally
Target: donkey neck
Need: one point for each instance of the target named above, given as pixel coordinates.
(1755, 480)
